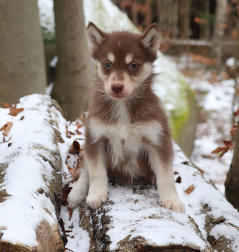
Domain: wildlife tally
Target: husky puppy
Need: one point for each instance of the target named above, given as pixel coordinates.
(127, 132)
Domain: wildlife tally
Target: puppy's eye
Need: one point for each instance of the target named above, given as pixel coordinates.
(107, 65)
(134, 66)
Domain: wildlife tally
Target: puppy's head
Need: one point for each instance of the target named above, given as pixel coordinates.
(124, 60)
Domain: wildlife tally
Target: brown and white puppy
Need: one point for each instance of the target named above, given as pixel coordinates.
(127, 133)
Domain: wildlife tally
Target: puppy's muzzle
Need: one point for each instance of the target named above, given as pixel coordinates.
(117, 88)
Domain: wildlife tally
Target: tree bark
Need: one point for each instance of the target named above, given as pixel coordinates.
(73, 68)
(219, 27)
(44, 160)
(22, 65)
(232, 181)
(205, 26)
(106, 224)
(174, 18)
(184, 18)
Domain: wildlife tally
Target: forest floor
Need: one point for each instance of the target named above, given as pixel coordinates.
(214, 92)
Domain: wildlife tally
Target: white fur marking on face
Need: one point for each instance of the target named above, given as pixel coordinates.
(128, 58)
(111, 57)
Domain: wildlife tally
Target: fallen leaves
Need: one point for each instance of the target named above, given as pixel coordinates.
(5, 105)
(236, 113)
(228, 145)
(190, 189)
(233, 129)
(75, 148)
(6, 128)
(65, 191)
(179, 179)
(15, 111)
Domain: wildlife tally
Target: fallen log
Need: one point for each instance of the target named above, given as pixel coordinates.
(30, 176)
(133, 221)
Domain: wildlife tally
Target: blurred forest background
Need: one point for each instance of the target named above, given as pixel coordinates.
(209, 28)
(206, 31)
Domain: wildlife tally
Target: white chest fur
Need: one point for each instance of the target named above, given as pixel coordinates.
(125, 137)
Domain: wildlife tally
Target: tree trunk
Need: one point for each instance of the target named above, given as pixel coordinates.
(184, 18)
(232, 181)
(219, 27)
(174, 18)
(205, 26)
(30, 178)
(73, 68)
(22, 66)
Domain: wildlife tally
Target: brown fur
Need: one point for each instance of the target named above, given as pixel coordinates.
(142, 105)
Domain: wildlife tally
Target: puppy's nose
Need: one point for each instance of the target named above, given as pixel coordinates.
(117, 88)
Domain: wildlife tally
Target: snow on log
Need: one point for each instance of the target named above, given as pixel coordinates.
(133, 220)
(30, 175)
(33, 139)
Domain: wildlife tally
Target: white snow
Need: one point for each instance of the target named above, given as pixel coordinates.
(139, 215)
(24, 172)
(79, 239)
(46, 14)
(22, 212)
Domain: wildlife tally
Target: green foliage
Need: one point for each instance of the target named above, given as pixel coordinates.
(48, 36)
(206, 16)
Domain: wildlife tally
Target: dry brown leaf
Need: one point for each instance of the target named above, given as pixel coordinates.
(6, 128)
(65, 191)
(236, 113)
(179, 179)
(5, 105)
(190, 189)
(70, 213)
(222, 150)
(233, 129)
(73, 171)
(67, 132)
(15, 111)
(75, 148)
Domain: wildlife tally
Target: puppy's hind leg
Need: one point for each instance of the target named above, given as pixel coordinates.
(79, 190)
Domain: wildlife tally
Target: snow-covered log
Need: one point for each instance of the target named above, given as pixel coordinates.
(31, 136)
(30, 176)
(133, 220)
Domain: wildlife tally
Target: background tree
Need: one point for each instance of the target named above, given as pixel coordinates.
(220, 21)
(184, 18)
(22, 66)
(232, 181)
(73, 68)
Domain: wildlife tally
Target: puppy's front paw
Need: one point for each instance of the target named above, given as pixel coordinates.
(177, 207)
(76, 195)
(96, 197)
(172, 203)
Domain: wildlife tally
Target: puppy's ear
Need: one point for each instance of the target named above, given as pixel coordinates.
(95, 35)
(151, 37)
